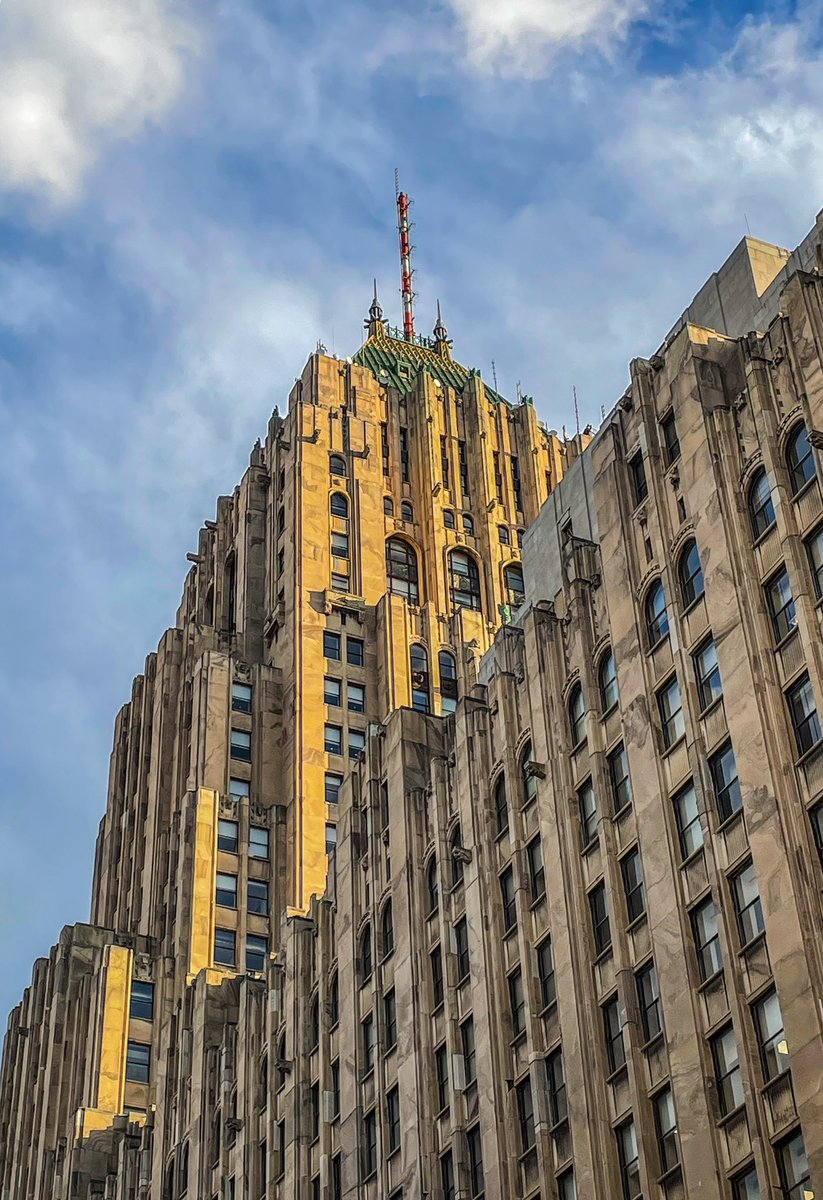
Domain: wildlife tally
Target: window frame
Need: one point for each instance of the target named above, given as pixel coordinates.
(600, 919)
(673, 723)
(811, 719)
(799, 476)
(782, 617)
(727, 1074)
(656, 617)
(690, 577)
(621, 786)
(762, 516)
(648, 998)
(707, 674)
(704, 919)
(607, 683)
(634, 889)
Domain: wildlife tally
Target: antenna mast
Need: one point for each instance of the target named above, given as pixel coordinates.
(404, 229)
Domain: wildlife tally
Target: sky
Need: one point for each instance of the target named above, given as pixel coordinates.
(192, 194)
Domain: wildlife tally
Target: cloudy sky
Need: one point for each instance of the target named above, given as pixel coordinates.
(191, 194)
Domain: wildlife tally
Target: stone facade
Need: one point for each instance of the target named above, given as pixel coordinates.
(419, 879)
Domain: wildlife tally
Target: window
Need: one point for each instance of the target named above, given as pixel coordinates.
(241, 745)
(314, 1022)
(671, 442)
(331, 645)
(795, 1178)
(517, 1003)
(707, 674)
(631, 868)
(468, 523)
(448, 518)
(509, 903)
(469, 1051)
(258, 842)
(420, 679)
(619, 779)
(746, 1186)
(527, 776)
(599, 908)
(629, 1161)
(241, 697)
(774, 1049)
(761, 506)
(640, 488)
(690, 574)
(227, 836)
(141, 1005)
(803, 712)
(431, 885)
(465, 581)
(226, 891)
(799, 459)
(258, 898)
(781, 606)
(405, 470)
(333, 739)
(337, 465)
(537, 871)
(555, 1079)
(545, 973)
(339, 505)
(401, 569)
(514, 585)
(388, 506)
(138, 1062)
(281, 1149)
(257, 948)
(666, 1122)
(607, 678)
(747, 904)
(390, 1019)
(456, 856)
(387, 930)
(334, 1000)
(670, 706)
(614, 1019)
(727, 1070)
(687, 819)
(725, 784)
(447, 1176)
(340, 545)
(589, 813)
(355, 652)
(441, 1075)
(648, 995)
(225, 941)
(657, 616)
(566, 1186)
(474, 1141)
(406, 511)
(707, 939)
(503, 535)
(367, 1042)
(448, 681)
(577, 716)
(366, 963)
(461, 937)
(393, 1120)
(814, 550)
(334, 782)
(816, 818)
(356, 697)
(333, 692)
(501, 808)
(240, 789)
(369, 1144)
(436, 959)
(335, 1089)
(525, 1113)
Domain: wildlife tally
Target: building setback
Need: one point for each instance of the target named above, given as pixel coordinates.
(431, 872)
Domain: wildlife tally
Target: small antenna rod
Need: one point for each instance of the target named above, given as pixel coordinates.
(576, 412)
(404, 229)
(494, 375)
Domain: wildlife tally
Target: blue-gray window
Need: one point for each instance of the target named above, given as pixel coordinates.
(138, 1062)
(142, 1000)
(761, 505)
(799, 459)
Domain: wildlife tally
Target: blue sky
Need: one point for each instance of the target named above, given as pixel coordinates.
(192, 194)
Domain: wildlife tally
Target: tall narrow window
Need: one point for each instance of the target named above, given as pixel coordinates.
(799, 459)
(814, 550)
(558, 1109)
(384, 447)
(761, 505)
(448, 519)
(707, 674)
(619, 779)
(393, 1120)
(367, 1042)
(648, 995)
(369, 1149)
(774, 1049)
(390, 1019)
(577, 716)
(517, 1003)
(781, 606)
(601, 928)
(405, 465)
(690, 574)
(629, 1161)
(528, 777)
(465, 581)
(444, 463)
(401, 570)
(727, 1070)
(441, 1075)
(514, 586)
(668, 1143)
(657, 616)
(795, 1177)
(366, 960)
(589, 813)
(537, 871)
(420, 679)
(607, 678)
(747, 904)
(447, 1176)
(467, 1043)
(671, 442)
(803, 713)
(508, 898)
(525, 1113)
(631, 868)
(545, 973)
(670, 707)
(464, 470)
(501, 807)
(477, 1181)
(448, 681)
(640, 488)
(339, 505)
(436, 960)
(387, 930)
(614, 1019)
(461, 939)
(456, 855)
(725, 783)
(707, 939)
(747, 1186)
(431, 885)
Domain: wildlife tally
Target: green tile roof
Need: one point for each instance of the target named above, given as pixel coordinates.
(397, 363)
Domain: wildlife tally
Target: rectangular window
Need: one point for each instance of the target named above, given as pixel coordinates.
(355, 652)
(138, 1062)
(774, 1049)
(598, 906)
(816, 818)
(258, 842)
(668, 1144)
(589, 813)
(333, 739)
(648, 996)
(393, 1119)
(469, 1051)
(339, 581)
(335, 1089)
(241, 697)
(629, 1161)
(240, 789)
(795, 1178)
(727, 1070)
(746, 1186)
(707, 674)
(461, 937)
(257, 949)
(367, 1043)
(369, 1144)
(687, 818)
(334, 782)
(331, 837)
(340, 545)
(258, 897)
(707, 939)
(404, 455)
(517, 1003)
(537, 873)
(814, 549)
(441, 1075)
(525, 1113)
(331, 645)
(555, 1079)
(725, 784)
(444, 462)
(474, 1141)
(613, 1021)
(567, 1186)
(141, 1007)
(227, 836)
(803, 713)
(640, 488)
(333, 692)
(631, 868)
(464, 470)
(357, 742)
(384, 447)
(619, 779)
(780, 603)
(509, 903)
(671, 442)
(747, 904)
(436, 959)
(241, 745)
(226, 891)
(447, 1176)
(390, 1019)
(356, 697)
(670, 707)
(545, 973)
(314, 1111)
(225, 942)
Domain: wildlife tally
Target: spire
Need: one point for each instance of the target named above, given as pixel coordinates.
(441, 336)
(375, 322)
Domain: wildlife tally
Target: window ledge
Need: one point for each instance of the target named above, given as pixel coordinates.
(590, 846)
(784, 641)
(809, 754)
(518, 1039)
(538, 900)
(622, 812)
(758, 541)
(510, 932)
(639, 920)
(669, 750)
(801, 492)
(669, 1176)
(729, 1117)
(604, 954)
(710, 708)
(656, 645)
(757, 940)
(706, 984)
(692, 605)
(549, 1009)
(578, 746)
(652, 1043)
(728, 822)
(607, 712)
(616, 1075)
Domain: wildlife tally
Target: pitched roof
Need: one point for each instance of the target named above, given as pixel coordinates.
(397, 363)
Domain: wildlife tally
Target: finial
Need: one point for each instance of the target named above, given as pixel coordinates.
(375, 322)
(441, 336)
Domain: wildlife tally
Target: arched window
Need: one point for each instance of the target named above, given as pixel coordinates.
(168, 1193)
(388, 506)
(515, 587)
(215, 1137)
(761, 506)
(387, 930)
(448, 518)
(448, 681)
(503, 534)
(577, 715)
(607, 678)
(501, 807)
(334, 1001)
(420, 679)
(366, 963)
(183, 1176)
(339, 505)
(455, 849)
(401, 569)
(657, 617)
(314, 1023)
(468, 524)
(465, 581)
(431, 885)
(337, 465)
(528, 780)
(799, 459)
(690, 574)
(406, 511)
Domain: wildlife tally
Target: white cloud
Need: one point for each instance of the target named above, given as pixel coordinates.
(518, 36)
(76, 73)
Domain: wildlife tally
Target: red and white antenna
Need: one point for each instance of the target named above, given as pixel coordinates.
(404, 229)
